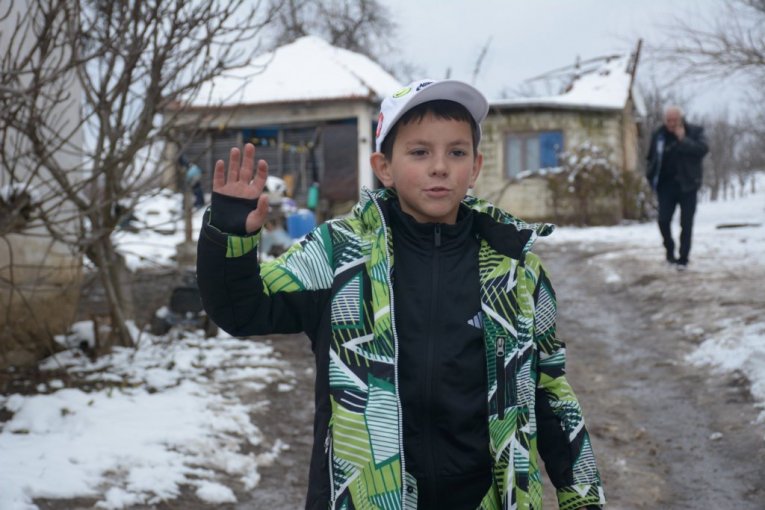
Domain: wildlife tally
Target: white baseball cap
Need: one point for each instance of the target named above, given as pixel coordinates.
(394, 106)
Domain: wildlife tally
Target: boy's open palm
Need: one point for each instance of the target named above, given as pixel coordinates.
(243, 180)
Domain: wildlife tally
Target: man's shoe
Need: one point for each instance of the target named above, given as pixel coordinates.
(671, 259)
(682, 265)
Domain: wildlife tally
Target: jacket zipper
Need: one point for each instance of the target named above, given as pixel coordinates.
(500, 366)
(328, 453)
(428, 399)
(395, 348)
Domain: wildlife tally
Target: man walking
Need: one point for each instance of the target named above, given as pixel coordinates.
(674, 172)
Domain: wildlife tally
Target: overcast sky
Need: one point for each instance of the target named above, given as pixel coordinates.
(530, 37)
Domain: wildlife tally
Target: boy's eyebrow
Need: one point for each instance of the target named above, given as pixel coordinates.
(458, 141)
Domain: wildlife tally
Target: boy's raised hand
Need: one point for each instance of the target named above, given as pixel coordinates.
(244, 181)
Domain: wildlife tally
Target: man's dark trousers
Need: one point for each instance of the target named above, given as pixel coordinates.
(671, 195)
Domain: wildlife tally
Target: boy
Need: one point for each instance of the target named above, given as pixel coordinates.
(431, 323)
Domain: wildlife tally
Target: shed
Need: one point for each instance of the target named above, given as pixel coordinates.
(310, 109)
(525, 138)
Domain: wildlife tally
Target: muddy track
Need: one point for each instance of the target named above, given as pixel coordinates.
(667, 435)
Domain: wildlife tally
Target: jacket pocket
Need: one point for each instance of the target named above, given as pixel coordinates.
(506, 377)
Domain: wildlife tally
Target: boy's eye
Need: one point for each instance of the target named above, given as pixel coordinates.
(418, 152)
(459, 152)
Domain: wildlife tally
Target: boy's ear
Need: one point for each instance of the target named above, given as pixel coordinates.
(381, 168)
(477, 165)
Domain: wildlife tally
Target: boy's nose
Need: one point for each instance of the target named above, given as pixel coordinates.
(439, 167)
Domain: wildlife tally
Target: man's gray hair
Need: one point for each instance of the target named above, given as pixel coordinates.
(673, 108)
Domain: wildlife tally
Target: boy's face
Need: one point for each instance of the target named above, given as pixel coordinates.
(432, 166)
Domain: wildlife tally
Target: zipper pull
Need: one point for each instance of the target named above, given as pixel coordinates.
(437, 236)
(501, 378)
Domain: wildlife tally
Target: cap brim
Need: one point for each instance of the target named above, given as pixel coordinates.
(448, 90)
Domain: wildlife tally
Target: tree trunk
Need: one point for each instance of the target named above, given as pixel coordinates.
(108, 264)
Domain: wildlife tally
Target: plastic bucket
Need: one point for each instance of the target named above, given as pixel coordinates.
(300, 223)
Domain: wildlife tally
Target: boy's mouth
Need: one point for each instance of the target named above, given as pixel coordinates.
(437, 191)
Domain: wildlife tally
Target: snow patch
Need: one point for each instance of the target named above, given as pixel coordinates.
(169, 422)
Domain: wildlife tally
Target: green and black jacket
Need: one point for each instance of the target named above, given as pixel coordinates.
(336, 286)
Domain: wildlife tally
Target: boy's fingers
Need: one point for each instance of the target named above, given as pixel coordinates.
(248, 163)
(261, 176)
(257, 218)
(219, 175)
(233, 165)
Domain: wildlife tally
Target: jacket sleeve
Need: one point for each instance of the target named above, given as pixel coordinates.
(651, 164)
(563, 441)
(244, 297)
(694, 144)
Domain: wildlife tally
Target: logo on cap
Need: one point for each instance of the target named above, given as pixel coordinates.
(402, 92)
(422, 85)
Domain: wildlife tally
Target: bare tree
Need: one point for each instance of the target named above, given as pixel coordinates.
(125, 64)
(751, 154)
(479, 60)
(732, 42)
(363, 26)
(721, 165)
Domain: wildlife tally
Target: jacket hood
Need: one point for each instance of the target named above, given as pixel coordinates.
(503, 231)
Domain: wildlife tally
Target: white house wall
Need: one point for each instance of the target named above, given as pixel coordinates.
(39, 278)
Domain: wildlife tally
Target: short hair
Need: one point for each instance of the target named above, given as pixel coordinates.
(673, 107)
(441, 109)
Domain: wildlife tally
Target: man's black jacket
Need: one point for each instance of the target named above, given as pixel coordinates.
(670, 159)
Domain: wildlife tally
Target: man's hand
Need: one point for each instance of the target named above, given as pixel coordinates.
(680, 131)
(242, 181)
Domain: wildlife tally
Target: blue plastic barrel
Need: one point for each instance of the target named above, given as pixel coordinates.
(300, 223)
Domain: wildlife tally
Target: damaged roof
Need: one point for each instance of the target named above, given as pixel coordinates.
(607, 87)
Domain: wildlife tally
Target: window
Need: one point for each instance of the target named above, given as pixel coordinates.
(532, 151)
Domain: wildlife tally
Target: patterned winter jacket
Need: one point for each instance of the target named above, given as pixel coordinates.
(336, 285)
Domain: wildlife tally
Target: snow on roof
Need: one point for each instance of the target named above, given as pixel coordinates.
(308, 69)
(606, 88)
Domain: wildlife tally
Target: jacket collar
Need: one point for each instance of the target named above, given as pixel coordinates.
(504, 232)
(423, 235)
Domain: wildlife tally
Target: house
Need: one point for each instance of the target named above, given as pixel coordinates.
(524, 139)
(39, 276)
(310, 109)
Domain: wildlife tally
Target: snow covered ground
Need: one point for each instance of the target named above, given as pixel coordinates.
(159, 228)
(156, 418)
(166, 414)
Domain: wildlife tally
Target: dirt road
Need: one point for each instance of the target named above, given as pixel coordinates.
(667, 435)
